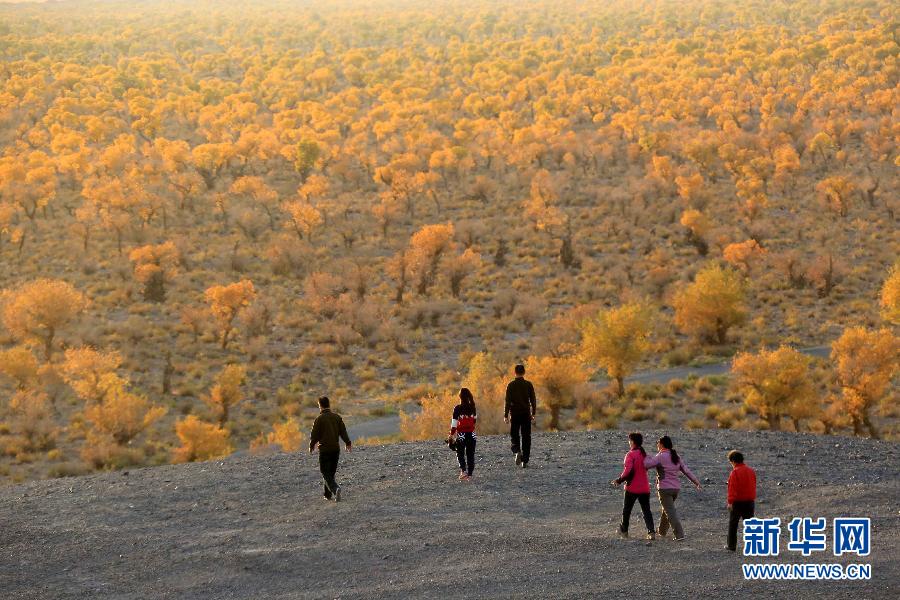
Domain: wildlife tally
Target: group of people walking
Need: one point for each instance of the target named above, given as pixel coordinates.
(520, 410)
(519, 413)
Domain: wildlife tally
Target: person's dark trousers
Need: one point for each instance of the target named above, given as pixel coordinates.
(520, 427)
(644, 500)
(465, 451)
(328, 464)
(742, 509)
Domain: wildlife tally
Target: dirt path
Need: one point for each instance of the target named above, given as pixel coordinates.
(390, 425)
(257, 527)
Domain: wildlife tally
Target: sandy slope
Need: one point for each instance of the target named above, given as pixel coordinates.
(257, 527)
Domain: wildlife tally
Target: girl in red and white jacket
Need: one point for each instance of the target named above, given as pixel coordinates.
(462, 427)
(637, 486)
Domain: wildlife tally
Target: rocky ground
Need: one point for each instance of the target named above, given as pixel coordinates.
(257, 527)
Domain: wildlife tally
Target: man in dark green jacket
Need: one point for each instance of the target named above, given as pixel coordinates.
(327, 432)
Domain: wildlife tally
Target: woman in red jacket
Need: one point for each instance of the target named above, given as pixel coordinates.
(462, 428)
(637, 486)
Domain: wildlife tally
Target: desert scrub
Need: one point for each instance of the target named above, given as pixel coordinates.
(693, 424)
(677, 357)
(675, 386)
(717, 380)
(725, 419)
(638, 414)
(703, 386)
(371, 387)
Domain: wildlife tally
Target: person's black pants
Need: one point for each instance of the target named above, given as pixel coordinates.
(742, 509)
(328, 464)
(520, 426)
(644, 500)
(465, 451)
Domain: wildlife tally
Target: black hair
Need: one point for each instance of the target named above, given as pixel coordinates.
(520, 369)
(324, 402)
(666, 442)
(736, 457)
(638, 440)
(468, 400)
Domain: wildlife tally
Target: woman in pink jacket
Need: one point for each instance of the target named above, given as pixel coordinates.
(668, 468)
(637, 486)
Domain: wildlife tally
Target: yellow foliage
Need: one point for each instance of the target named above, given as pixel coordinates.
(890, 296)
(540, 208)
(29, 180)
(200, 441)
(33, 419)
(787, 162)
(776, 383)
(486, 379)
(7, 217)
(315, 186)
(255, 188)
(743, 254)
(304, 218)
(426, 249)
(556, 378)
(36, 312)
(690, 189)
(836, 192)
(285, 436)
(227, 301)
(153, 266)
(461, 267)
(617, 339)
(226, 393)
(698, 223)
(866, 362)
(20, 365)
(711, 305)
(86, 370)
(432, 421)
(663, 168)
(122, 415)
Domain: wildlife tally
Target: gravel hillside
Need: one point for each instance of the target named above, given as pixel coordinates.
(257, 527)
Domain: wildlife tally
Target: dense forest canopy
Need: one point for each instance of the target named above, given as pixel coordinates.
(210, 214)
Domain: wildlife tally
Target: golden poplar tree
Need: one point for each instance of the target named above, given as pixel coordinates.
(866, 361)
(226, 393)
(556, 379)
(618, 339)
(890, 296)
(200, 440)
(37, 311)
(226, 302)
(711, 305)
(775, 383)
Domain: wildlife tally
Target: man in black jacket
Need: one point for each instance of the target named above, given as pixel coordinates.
(327, 432)
(521, 406)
